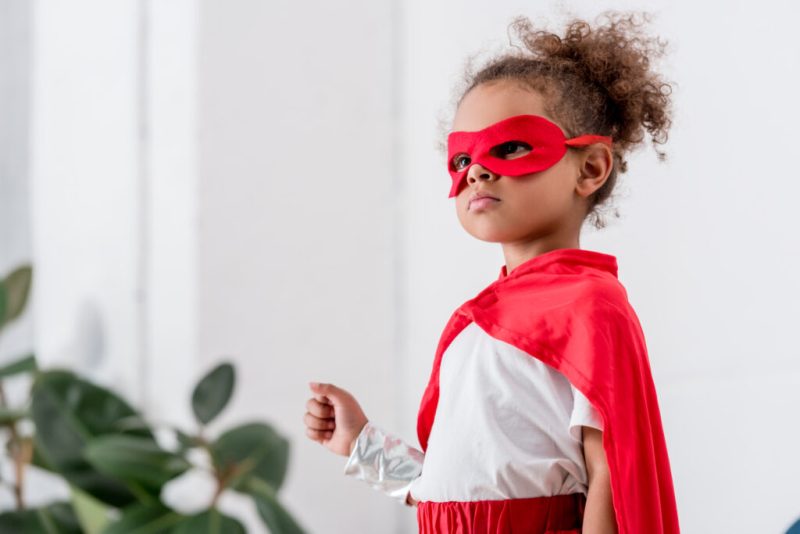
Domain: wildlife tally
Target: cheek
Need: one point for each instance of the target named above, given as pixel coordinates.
(461, 209)
(462, 200)
(547, 188)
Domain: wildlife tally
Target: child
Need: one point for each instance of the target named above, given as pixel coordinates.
(540, 414)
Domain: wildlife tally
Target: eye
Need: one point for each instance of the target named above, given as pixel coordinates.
(460, 161)
(515, 149)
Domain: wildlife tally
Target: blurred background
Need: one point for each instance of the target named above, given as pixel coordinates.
(259, 181)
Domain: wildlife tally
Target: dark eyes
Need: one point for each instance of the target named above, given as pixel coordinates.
(503, 150)
(460, 161)
(512, 147)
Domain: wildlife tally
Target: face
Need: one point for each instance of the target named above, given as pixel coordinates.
(527, 206)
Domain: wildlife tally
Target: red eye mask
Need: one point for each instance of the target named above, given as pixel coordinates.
(548, 145)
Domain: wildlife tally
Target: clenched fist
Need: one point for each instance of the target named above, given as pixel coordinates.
(333, 418)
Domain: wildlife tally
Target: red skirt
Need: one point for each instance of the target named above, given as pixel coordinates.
(559, 514)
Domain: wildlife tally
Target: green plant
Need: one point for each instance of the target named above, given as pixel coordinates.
(107, 453)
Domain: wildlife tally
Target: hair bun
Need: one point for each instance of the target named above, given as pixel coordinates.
(614, 56)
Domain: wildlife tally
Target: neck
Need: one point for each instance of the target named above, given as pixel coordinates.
(567, 234)
(519, 252)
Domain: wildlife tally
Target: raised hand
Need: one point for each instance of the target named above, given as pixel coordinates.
(333, 418)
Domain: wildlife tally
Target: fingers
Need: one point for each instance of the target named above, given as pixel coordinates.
(319, 409)
(317, 423)
(325, 392)
(319, 435)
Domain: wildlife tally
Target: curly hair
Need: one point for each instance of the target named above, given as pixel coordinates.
(594, 80)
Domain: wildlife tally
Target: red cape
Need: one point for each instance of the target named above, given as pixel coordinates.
(567, 308)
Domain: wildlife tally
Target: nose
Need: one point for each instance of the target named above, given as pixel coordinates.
(479, 172)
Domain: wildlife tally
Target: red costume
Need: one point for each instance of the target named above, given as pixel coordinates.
(567, 308)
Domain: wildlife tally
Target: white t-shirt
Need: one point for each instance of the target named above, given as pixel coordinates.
(507, 426)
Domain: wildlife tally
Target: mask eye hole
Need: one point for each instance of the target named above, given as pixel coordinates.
(511, 149)
(460, 162)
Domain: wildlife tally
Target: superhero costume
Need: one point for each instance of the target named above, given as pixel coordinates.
(567, 309)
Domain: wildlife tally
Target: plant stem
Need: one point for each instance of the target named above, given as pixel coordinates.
(218, 476)
(217, 493)
(17, 454)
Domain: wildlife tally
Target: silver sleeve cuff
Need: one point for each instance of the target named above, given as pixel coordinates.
(384, 461)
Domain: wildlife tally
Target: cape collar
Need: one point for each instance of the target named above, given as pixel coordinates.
(572, 256)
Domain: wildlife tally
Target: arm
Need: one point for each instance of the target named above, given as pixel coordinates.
(336, 420)
(599, 516)
(385, 462)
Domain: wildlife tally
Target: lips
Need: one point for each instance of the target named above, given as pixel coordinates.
(481, 201)
(478, 196)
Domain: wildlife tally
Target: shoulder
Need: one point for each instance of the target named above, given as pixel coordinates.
(602, 308)
(601, 293)
(589, 298)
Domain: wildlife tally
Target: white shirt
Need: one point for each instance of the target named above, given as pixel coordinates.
(507, 426)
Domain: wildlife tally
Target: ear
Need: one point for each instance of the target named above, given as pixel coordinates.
(595, 164)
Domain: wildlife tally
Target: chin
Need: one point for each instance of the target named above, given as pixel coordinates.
(490, 235)
(484, 226)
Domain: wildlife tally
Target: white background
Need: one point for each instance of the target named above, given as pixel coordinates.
(197, 179)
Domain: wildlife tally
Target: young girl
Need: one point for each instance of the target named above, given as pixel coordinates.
(540, 415)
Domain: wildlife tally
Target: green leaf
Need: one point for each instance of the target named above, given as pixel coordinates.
(251, 449)
(135, 460)
(26, 364)
(213, 392)
(145, 519)
(38, 459)
(209, 522)
(54, 518)
(92, 515)
(11, 415)
(68, 412)
(185, 441)
(272, 512)
(132, 422)
(17, 285)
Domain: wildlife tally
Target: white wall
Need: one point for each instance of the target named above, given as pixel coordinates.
(85, 189)
(260, 181)
(15, 239)
(298, 216)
